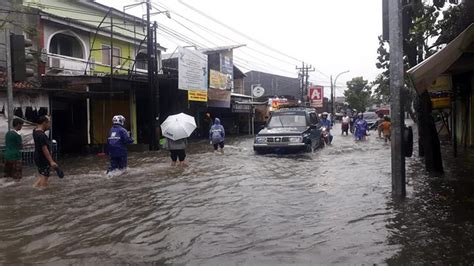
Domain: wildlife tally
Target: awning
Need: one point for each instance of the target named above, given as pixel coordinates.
(425, 73)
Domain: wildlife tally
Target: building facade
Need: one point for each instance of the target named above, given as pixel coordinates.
(91, 65)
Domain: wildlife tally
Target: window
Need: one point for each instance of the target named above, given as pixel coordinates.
(313, 117)
(287, 120)
(141, 61)
(67, 45)
(106, 55)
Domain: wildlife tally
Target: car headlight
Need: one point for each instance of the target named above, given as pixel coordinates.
(296, 139)
(260, 140)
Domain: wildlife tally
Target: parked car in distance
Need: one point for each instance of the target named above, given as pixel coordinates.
(371, 118)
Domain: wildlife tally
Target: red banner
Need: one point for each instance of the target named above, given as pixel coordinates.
(316, 96)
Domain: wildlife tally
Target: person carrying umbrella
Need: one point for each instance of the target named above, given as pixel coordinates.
(217, 135)
(176, 129)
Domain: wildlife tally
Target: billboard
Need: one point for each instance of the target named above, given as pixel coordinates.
(217, 80)
(316, 96)
(192, 71)
(197, 96)
(219, 98)
(227, 68)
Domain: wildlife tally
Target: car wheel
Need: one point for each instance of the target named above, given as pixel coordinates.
(309, 148)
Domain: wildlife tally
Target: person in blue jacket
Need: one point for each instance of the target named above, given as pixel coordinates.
(117, 144)
(217, 135)
(325, 122)
(361, 128)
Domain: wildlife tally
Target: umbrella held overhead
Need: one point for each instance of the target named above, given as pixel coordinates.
(178, 126)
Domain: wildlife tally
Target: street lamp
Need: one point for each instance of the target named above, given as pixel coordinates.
(333, 88)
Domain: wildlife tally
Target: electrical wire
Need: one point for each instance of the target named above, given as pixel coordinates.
(243, 34)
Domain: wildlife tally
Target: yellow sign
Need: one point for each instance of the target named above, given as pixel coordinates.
(197, 95)
(217, 80)
(442, 83)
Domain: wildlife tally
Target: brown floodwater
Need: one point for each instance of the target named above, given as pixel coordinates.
(332, 206)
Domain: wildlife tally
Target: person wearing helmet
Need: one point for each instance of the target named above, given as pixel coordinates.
(117, 144)
(361, 127)
(325, 122)
(217, 135)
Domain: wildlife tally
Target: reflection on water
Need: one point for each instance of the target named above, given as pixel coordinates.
(333, 206)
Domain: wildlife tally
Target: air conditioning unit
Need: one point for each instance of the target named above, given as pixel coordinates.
(55, 62)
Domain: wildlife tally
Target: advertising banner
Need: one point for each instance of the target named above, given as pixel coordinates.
(227, 68)
(316, 96)
(192, 70)
(197, 95)
(218, 98)
(217, 80)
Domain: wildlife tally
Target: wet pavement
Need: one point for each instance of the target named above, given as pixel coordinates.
(332, 206)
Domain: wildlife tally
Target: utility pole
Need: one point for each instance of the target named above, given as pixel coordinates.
(396, 86)
(9, 79)
(305, 80)
(151, 77)
(332, 97)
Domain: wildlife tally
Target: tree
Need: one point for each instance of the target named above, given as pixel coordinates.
(426, 27)
(358, 94)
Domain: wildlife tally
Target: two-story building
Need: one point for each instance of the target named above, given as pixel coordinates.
(93, 65)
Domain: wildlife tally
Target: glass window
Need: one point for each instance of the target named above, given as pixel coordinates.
(313, 118)
(63, 44)
(141, 61)
(106, 55)
(287, 120)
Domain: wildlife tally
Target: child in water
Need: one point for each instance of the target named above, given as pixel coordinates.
(385, 127)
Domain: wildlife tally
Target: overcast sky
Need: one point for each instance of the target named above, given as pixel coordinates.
(332, 35)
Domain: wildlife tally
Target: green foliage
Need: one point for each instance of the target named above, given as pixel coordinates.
(429, 24)
(358, 94)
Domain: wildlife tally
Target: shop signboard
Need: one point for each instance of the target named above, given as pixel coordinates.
(227, 68)
(316, 96)
(219, 98)
(197, 96)
(217, 80)
(192, 73)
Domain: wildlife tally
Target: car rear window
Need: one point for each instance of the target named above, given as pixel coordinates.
(287, 120)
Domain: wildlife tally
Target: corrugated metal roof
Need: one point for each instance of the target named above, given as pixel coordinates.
(221, 48)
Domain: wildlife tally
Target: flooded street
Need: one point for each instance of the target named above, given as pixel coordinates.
(333, 206)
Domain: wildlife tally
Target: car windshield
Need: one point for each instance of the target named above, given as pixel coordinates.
(370, 116)
(287, 120)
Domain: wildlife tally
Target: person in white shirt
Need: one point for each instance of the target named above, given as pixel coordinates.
(346, 120)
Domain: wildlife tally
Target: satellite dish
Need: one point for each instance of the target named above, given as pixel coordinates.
(258, 92)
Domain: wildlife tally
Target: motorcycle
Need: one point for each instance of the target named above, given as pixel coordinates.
(325, 135)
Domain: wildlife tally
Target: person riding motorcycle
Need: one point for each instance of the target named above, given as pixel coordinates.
(361, 127)
(327, 124)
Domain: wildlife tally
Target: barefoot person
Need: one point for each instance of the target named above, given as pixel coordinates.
(177, 150)
(43, 158)
(13, 146)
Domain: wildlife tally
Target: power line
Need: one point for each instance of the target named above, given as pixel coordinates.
(202, 37)
(243, 34)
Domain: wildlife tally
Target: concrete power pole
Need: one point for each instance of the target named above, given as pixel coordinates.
(396, 86)
(151, 78)
(9, 79)
(305, 69)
